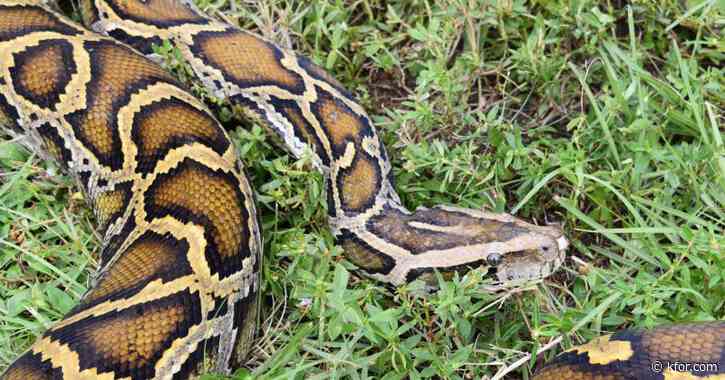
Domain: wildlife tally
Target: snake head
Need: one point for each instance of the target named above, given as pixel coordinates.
(450, 239)
(515, 250)
(531, 260)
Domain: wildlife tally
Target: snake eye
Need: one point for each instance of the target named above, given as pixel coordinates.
(494, 259)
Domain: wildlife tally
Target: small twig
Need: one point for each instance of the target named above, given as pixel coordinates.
(504, 371)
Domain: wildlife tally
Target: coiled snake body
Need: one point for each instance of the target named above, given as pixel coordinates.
(177, 290)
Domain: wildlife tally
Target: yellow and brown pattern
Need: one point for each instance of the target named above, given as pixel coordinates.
(180, 264)
(676, 352)
(176, 293)
(311, 111)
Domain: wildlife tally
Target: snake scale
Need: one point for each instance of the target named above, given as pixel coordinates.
(177, 292)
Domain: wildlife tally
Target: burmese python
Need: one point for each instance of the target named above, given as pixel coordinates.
(177, 290)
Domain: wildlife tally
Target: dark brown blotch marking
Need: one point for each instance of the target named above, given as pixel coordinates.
(131, 341)
(171, 123)
(359, 184)
(19, 20)
(245, 60)
(159, 13)
(192, 192)
(151, 257)
(42, 72)
(341, 125)
(31, 367)
(117, 73)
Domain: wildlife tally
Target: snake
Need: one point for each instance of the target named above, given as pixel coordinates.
(177, 292)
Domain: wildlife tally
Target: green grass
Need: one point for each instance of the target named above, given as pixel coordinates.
(603, 116)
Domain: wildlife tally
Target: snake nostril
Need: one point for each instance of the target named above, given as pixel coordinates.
(494, 259)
